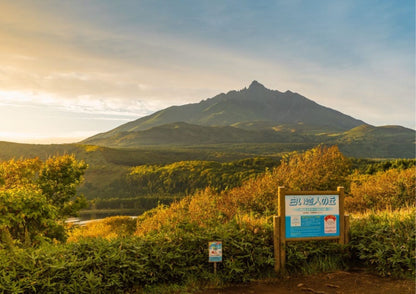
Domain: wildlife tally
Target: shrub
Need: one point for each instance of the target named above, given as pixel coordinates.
(392, 189)
(113, 266)
(321, 168)
(315, 256)
(385, 241)
(108, 228)
(27, 217)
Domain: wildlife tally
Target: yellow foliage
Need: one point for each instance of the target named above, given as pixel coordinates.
(321, 168)
(203, 208)
(90, 148)
(162, 217)
(391, 189)
(108, 228)
(17, 173)
(255, 195)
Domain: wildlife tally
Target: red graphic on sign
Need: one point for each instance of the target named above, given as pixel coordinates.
(330, 224)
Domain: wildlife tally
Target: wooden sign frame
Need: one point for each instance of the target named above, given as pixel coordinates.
(279, 224)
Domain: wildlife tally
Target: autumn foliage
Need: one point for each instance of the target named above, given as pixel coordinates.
(392, 189)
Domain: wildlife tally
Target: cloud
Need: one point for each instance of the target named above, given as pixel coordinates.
(132, 58)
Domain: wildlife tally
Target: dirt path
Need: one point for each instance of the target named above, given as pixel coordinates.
(328, 283)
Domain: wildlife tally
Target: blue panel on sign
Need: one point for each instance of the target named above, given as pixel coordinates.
(306, 226)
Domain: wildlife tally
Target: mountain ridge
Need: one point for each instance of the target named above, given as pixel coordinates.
(259, 116)
(255, 103)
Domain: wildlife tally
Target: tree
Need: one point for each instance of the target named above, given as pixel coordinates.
(27, 217)
(59, 178)
(36, 197)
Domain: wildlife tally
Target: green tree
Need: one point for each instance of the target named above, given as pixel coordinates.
(59, 178)
(27, 217)
(36, 197)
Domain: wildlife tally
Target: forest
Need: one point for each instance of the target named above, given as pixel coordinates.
(165, 248)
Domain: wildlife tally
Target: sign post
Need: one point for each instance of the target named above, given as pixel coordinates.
(304, 216)
(215, 253)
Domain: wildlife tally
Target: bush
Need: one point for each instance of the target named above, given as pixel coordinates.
(385, 242)
(27, 217)
(108, 228)
(100, 266)
(392, 189)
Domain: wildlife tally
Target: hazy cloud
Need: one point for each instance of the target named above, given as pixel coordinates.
(131, 58)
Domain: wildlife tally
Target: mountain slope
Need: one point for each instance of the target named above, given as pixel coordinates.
(362, 141)
(378, 142)
(253, 104)
(181, 133)
(259, 118)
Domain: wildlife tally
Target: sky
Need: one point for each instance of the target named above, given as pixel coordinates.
(72, 69)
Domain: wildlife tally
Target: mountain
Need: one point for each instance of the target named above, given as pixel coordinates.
(378, 142)
(253, 105)
(181, 133)
(263, 119)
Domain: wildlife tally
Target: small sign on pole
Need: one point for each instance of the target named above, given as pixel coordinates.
(215, 253)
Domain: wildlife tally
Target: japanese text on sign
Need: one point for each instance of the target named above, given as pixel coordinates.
(320, 200)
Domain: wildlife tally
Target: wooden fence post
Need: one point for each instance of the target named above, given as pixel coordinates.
(276, 242)
(341, 216)
(282, 237)
(346, 229)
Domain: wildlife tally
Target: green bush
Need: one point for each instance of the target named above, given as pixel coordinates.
(315, 256)
(101, 266)
(385, 242)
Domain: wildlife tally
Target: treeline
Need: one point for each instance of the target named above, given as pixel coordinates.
(371, 166)
(368, 183)
(146, 186)
(100, 208)
(186, 177)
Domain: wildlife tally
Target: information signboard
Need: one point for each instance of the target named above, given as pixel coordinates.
(307, 216)
(312, 216)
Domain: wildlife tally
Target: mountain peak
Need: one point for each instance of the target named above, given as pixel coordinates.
(256, 85)
(255, 104)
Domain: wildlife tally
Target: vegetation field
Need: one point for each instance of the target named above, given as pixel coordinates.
(166, 248)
